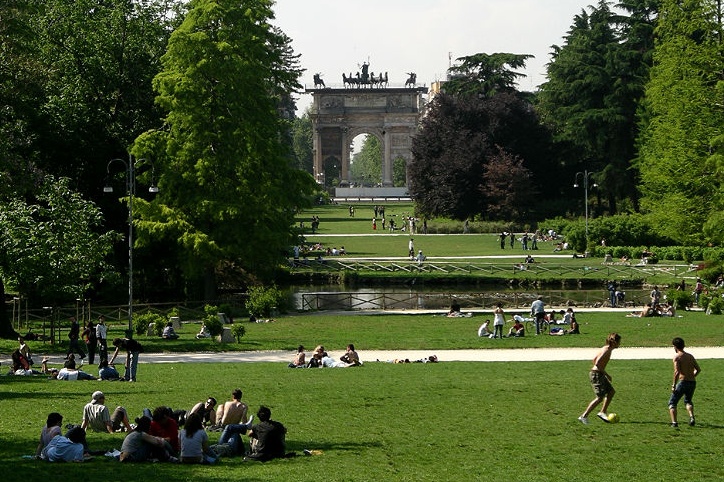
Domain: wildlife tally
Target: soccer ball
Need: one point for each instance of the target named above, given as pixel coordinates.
(613, 417)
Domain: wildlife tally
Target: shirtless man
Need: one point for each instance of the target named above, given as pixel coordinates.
(232, 412)
(600, 380)
(685, 371)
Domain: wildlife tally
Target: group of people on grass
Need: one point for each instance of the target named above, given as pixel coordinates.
(568, 318)
(22, 361)
(157, 435)
(321, 359)
(686, 369)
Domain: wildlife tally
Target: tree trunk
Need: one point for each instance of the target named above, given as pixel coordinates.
(6, 325)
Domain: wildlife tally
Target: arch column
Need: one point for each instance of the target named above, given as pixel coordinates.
(386, 161)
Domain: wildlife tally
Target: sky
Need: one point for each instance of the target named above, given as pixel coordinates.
(401, 36)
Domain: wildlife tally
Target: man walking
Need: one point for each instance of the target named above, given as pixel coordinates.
(685, 371)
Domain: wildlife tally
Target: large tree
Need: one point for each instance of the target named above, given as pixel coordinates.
(228, 187)
(594, 83)
(683, 116)
(458, 140)
(52, 248)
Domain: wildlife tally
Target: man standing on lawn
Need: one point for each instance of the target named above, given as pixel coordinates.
(601, 380)
(537, 311)
(685, 371)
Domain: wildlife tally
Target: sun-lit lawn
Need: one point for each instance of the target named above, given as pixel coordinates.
(416, 422)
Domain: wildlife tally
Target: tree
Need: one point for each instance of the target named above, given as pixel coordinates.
(96, 61)
(302, 140)
(51, 249)
(228, 190)
(682, 118)
(595, 82)
(485, 74)
(507, 185)
(366, 165)
(459, 137)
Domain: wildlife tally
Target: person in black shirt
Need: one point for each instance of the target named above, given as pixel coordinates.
(268, 438)
(133, 349)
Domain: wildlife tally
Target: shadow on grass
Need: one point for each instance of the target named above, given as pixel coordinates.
(299, 447)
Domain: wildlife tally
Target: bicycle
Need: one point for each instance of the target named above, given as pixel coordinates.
(530, 326)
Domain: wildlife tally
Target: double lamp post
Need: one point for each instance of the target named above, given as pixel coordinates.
(130, 169)
(585, 176)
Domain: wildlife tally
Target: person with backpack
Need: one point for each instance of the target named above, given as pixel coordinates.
(133, 349)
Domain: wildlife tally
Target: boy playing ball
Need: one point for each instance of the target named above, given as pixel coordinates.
(600, 380)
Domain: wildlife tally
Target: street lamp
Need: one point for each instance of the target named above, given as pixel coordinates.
(130, 192)
(586, 176)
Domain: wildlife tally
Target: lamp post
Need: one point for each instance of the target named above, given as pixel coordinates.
(130, 192)
(586, 176)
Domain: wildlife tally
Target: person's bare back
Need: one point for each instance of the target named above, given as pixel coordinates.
(232, 412)
(685, 366)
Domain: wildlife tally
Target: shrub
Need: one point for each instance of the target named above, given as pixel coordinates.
(141, 322)
(265, 301)
(715, 306)
(682, 300)
(238, 330)
(211, 320)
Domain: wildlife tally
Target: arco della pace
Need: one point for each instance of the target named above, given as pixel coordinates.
(363, 106)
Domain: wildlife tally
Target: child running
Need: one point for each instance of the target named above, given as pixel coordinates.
(601, 380)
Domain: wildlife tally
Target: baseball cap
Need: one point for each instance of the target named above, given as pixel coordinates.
(97, 396)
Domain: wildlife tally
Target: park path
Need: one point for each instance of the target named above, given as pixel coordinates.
(483, 355)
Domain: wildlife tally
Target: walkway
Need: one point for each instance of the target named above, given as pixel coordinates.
(483, 355)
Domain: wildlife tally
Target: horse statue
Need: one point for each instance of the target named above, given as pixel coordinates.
(411, 80)
(384, 82)
(318, 82)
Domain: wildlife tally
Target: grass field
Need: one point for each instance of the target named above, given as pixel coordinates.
(419, 422)
(425, 332)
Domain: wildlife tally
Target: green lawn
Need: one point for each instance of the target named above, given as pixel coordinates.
(418, 422)
(428, 332)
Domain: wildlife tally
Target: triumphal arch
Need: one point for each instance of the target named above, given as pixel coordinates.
(364, 104)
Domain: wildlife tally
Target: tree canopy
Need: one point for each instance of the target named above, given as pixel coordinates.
(228, 189)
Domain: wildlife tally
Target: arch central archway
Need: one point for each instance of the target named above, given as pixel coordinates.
(339, 115)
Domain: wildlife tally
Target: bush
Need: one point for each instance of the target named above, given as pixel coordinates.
(211, 320)
(715, 305)
(238, 331)
(682, 300)
(265, 301)
(141, 322)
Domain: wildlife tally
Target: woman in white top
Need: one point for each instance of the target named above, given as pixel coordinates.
(195, 442)
(499, 321)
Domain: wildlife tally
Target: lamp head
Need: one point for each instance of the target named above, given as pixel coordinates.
(107, 188)
(153, 189)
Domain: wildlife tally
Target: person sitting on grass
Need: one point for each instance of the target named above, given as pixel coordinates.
(51, 428)
(268, 438)
(97, 416)
(517, 330)
(164, 425)
(351, 357)
(206, 410)
(169, 333)
(299, 359)
(484, 330)
(195, 442)
(139, 446)
(106, 371)
(68, 448)
(203, 333)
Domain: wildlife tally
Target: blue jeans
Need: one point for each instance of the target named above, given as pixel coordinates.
(131, 366)
(232, 436)
(683, 389)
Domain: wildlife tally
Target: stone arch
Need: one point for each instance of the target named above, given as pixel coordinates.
(339, 115)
